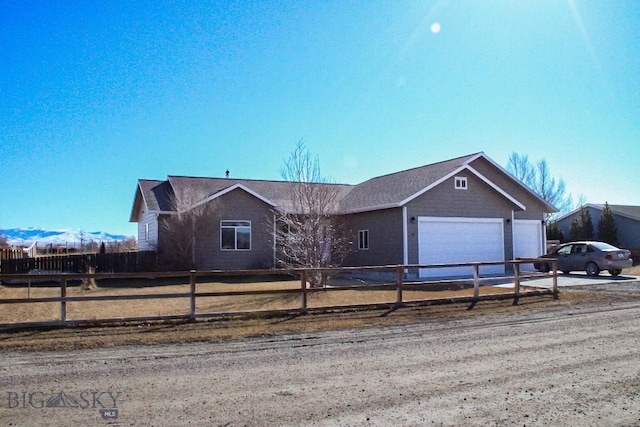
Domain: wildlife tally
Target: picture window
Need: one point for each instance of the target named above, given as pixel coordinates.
(235, 235)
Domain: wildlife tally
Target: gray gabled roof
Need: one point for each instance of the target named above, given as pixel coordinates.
(275, 193)
(155, 195)
(392, 190)
(627, 211)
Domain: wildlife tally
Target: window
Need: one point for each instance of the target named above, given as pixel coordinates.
(235, 235)
(461, 182)
(363, 239)
(146, 232)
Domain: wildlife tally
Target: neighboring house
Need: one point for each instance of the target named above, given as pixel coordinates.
(461, 210)
(627, 219)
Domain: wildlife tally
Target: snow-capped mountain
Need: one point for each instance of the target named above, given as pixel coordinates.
(27, 236)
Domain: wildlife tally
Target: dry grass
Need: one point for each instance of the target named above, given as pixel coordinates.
(94, 310)
(632, 271)
(70, 338)
(224, 328)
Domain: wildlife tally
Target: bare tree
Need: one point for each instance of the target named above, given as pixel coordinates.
(125, 245)
(309, 233)
(538, 178)
(190, 211)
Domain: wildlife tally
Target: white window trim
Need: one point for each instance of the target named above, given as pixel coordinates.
(460, 183)
(236, 234)
(363, 237)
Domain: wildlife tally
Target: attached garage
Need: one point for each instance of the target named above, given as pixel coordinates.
(527, 240)
(459, 240)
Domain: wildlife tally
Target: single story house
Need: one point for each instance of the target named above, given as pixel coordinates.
(627, 220)
(465, 209)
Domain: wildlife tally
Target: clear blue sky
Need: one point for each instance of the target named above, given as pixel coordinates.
(96, 94)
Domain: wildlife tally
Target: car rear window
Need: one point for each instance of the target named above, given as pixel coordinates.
(603, 246)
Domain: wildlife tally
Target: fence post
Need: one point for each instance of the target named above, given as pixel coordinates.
(303, 292)
(192, 296)
(554, 279)
(63, 294)
(399, 277)
(476, 281)
(516, 269)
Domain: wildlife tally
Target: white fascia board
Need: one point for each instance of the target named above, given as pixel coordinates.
(576, 210)
(139, 196)
(506, 172)
(134, 217)
(230, 189)
(495, 187)
(456, 172)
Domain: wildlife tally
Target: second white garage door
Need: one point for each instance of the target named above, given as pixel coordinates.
(457, 240)
(527, 241)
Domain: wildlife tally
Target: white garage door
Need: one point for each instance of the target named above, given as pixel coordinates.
(527, 241)
(457, 240)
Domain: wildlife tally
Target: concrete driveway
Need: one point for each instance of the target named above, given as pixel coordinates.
(581, 279)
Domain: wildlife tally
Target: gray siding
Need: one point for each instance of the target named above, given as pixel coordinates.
(385, 237)
(149, 218)
(237, 205)
(478, 201)
(628, 229)
(535, 208)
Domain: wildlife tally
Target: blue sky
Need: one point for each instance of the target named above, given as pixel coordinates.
(97, 94)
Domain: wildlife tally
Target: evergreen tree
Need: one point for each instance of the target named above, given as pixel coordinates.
(575, 232)
(607, 230)
(554, 232)
(581, 226)
(587, 224)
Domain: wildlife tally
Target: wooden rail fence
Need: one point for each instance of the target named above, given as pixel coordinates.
(399, 285)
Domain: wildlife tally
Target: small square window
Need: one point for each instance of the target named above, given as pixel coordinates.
(363, 239)
(460, 182)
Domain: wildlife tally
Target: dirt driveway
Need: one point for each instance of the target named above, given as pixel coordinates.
(565, 365)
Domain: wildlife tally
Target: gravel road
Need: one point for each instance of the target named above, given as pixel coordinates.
(572, 366)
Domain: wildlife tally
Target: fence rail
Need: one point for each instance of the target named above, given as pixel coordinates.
(400, 285)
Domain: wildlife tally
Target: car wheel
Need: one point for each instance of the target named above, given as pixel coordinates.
(544, 268)
(615, 272)
(592, 269)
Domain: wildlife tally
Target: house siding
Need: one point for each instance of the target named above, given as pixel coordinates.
(535, 208)
(393, 235)
(151, 219)
(385, 237)
(237, 205)
(478, 201)
(628, 229)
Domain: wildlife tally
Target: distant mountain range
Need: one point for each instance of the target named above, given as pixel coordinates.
(26, 236)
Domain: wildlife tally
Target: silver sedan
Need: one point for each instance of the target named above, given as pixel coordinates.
(588, 256)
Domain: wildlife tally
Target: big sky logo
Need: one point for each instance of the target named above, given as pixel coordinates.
(106, 402)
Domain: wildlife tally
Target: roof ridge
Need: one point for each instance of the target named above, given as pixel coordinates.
(252, 180)
(468, 156)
